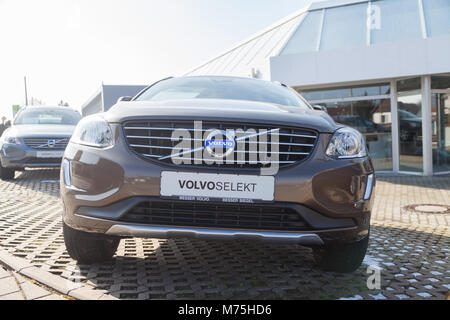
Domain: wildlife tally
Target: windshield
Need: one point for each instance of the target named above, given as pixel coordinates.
(222, 88)
(48, 116)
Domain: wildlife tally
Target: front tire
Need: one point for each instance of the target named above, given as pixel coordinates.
(342, 257)
(7, 173)
(87, 248)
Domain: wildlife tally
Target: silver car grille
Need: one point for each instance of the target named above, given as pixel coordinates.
(152, 140)
(47, 143)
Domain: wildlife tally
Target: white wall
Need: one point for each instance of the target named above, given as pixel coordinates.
(381, 61)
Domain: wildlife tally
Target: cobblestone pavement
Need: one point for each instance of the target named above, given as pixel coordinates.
(15, 287)
(410, 247)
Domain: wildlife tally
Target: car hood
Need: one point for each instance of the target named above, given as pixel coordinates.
(41, 130)
(222, 110)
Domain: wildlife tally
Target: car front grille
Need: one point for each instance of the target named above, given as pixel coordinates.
(152, 139)
(43, 161)
(47, 143)
(216, 215)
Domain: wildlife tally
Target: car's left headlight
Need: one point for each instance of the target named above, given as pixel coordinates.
(93, 131)
(347, 143)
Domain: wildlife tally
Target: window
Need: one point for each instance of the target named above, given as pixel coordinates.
(216, 87)
(344, 27)
(440, 82)
(373, 119)
(408, 85)
(307, 35)
(47, 116)
(440, 117)
(410, 131)
(437, 14)
(346, 92)
(394, 20)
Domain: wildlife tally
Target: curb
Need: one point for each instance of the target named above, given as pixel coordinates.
(57, 283)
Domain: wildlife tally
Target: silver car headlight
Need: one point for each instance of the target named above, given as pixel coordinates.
(11, 139)
(347, 143)
(93, 131)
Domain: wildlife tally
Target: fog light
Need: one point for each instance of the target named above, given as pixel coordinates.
(369, 187)
(67, 172)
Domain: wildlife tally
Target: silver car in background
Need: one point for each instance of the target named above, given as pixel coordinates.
(36, 139)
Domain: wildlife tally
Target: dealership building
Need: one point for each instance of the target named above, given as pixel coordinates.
(382, 67)
(106, 96)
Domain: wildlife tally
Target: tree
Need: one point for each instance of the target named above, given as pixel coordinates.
(63, 104)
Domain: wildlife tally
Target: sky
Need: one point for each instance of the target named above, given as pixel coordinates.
(67, 48)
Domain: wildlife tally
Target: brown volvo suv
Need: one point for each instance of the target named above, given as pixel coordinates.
(218, 158)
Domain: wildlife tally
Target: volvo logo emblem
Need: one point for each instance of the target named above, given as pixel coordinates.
(51, 143)
(220, 143)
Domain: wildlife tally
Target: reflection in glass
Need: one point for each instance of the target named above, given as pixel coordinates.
(306, 37)
(440, 115)
(410, 132)
(373, 119)
(344, 27)
(408, 84)
(440, 82)
(346, 92)
(398, 20)
(437, 16)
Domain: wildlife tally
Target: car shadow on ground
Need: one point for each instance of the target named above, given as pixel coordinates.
(412, 263)
(38, 180)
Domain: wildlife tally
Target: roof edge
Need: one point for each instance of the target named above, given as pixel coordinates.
(92, 97)
(333, 3)
(254, 36)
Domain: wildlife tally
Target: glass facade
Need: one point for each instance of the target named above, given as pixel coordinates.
(373, 119)
(440, 117)
(346, 92)
(365, 108)
(410, 131)
(344, 27)
(306, 37)
(437, 16)
(367, 23)
(409, 104)
(395, 20)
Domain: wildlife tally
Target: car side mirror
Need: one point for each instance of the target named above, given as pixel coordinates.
(320, 108)
(124, 99)
(8, 124)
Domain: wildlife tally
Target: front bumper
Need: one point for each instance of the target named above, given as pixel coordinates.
(105, 184)
(20, 156)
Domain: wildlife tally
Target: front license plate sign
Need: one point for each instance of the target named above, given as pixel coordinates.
(50, 154)
(207, 186)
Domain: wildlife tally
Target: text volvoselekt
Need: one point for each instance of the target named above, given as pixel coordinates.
(217, 185)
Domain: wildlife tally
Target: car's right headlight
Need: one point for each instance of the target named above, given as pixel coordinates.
(11, 139)
(93, 131)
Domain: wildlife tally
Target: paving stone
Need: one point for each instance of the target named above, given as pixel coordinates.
(32, 291)
(86, 293)
(52, 297)
(404, 243)
(4, 273)
(8, 285)
(58, 283)
(13, 296)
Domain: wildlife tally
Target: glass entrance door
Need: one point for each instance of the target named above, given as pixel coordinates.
(440, 113)
(410, 131)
